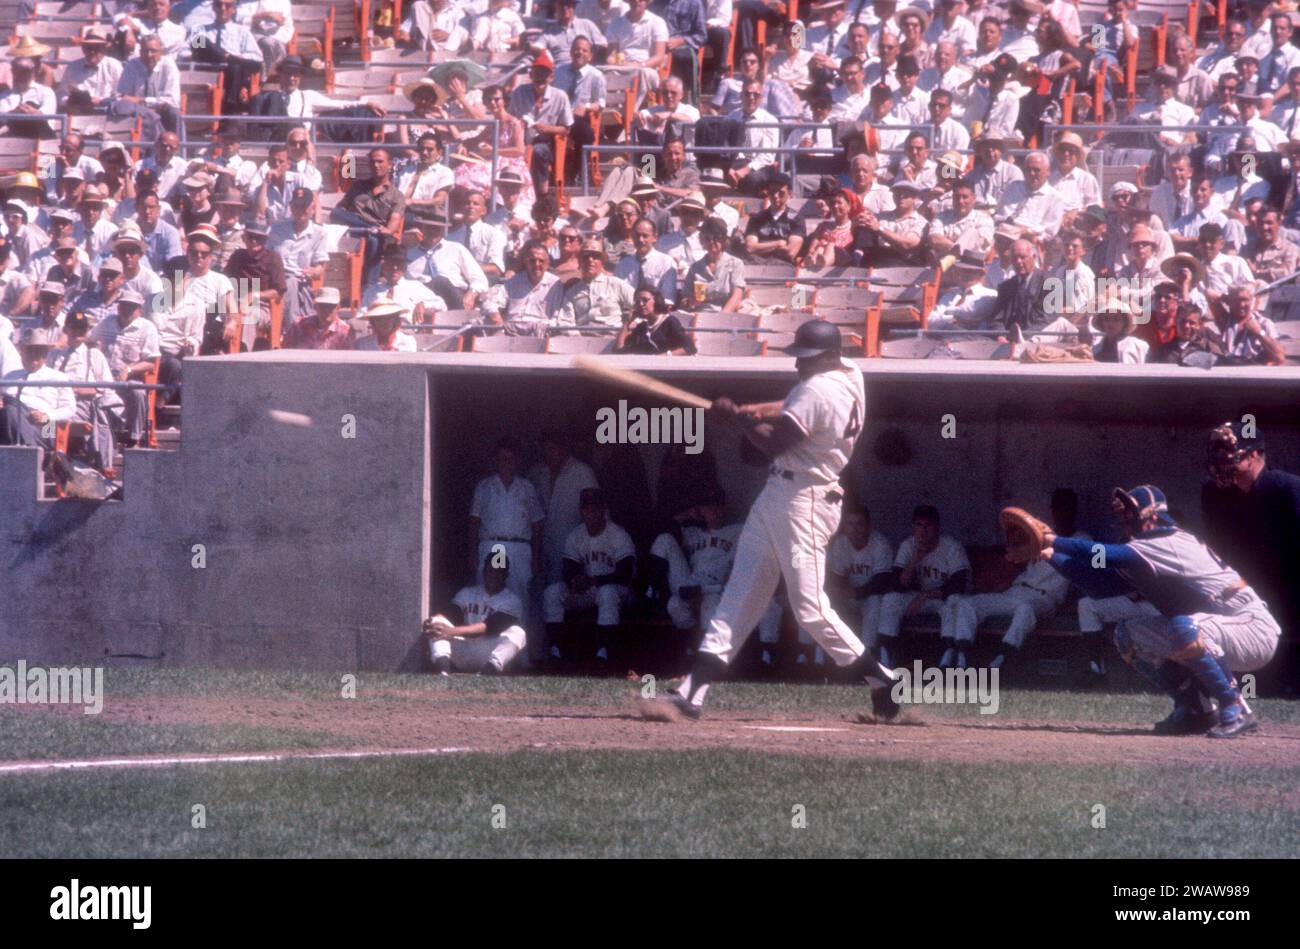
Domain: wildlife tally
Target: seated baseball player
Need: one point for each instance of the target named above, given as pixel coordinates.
(598, 565)
(1033, 597)
(859, 572)
(697, 563)
(1211, 625)
(930, 567)
(480, 631)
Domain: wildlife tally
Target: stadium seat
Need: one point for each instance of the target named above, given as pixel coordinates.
(738, 323)
(508, 344)
(578, 345)
(720, 344)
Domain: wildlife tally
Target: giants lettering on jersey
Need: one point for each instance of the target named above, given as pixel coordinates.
(705, 542)
(597, 558)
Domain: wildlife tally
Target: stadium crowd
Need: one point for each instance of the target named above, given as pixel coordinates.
(931, 164)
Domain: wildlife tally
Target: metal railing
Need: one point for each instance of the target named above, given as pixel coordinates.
(63, 120)
(74, 384)
(310, 122)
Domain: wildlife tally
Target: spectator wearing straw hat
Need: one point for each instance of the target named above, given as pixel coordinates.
(1143, 265)
(196, 206)
(1076, 186)
(137, 275)
(28, 412)
(51, 305)
(1114, 321)
(597, 298)
(683, 243)
(130, 343)
(321, 329)
(66, 264)
(386, 333)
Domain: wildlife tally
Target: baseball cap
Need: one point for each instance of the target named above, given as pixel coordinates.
(256, 226)
(328, 295)
(76, 322)
(131, 296)
(111, 264)
(63, 214)
(53, 287)
(302, 194)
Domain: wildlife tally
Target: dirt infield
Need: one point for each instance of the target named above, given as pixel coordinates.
(505, 723)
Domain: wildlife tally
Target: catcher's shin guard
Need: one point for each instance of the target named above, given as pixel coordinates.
(1188, 649)
(1163, 676)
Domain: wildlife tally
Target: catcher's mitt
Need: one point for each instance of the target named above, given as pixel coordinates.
(1026, 535)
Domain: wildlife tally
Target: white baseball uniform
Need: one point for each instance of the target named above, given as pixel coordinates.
(598, 555)
(1033, 597)
(506, 516)
(859, 566)
(947, 558)
(1233, 621)
(469, 653)
(791, 524)
(703, 560)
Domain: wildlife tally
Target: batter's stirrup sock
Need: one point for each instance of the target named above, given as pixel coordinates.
(442, 665)
(1211, 671)
(708, 667)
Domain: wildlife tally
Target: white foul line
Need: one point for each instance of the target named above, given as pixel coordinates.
(232, 758)
(791, 728)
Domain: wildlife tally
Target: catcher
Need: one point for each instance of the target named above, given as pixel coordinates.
(1211, 622)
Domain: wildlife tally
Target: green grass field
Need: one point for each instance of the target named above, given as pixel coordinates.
(617, 802)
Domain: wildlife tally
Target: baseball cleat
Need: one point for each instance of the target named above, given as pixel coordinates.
(672, 707)
(883, 705)
(490, 668)
(1234, 721)
(1185, 721)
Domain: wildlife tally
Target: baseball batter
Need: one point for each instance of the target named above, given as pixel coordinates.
(480, 631)
(807, 440)
(1211, 623)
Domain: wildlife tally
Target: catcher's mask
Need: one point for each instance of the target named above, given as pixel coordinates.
(1228, 447)
(1141, 503)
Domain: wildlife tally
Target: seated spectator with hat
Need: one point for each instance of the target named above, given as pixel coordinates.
(547, 114)
(137, 275)
(63, 262)
(393, 284)
(256, 271)
(323, 329)
(93, 230)
(100, 302)
(30, 413)
(100, 409)
(597, 298)
(25, 237)
(51, 307)
(212, 292)
(26, 95)
(131, 345)
(89, 82)
(386, 333)
(229, 225)
(445, 267)
(196, 206)
(1114, 320)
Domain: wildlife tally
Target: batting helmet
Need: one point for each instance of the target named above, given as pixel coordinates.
(814, 338)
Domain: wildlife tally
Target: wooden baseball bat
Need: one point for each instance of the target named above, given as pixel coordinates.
(597, 368)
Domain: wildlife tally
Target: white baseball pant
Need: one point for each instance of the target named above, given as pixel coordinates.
(1026, 607)
(1247, 638)
(520, 558)
(786, 535)
(894, 605)
(608, 600)
(1094, 614)
(469, 653)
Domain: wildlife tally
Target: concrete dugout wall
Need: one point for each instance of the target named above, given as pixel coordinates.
(323, 551)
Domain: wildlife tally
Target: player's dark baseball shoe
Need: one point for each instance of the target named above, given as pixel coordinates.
(1185, 721)
(1234, 721)
(883, 705)
(490, 668)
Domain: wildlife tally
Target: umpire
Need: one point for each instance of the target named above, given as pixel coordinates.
(1252, 520)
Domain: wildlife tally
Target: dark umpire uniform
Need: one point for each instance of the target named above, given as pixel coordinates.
(1257, 531)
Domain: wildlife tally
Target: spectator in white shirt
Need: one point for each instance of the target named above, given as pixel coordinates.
(150, 86)
(302, 103)
(1077, 187)
(526, 303)
(1032, 204)
(426, 181)
(30, 97)
(90, 81)
(28, 412)
(435, 25)
(156, 22)
(749, 173)
(271, 23)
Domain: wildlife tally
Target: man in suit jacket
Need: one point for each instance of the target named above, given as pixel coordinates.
(1022, 297)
